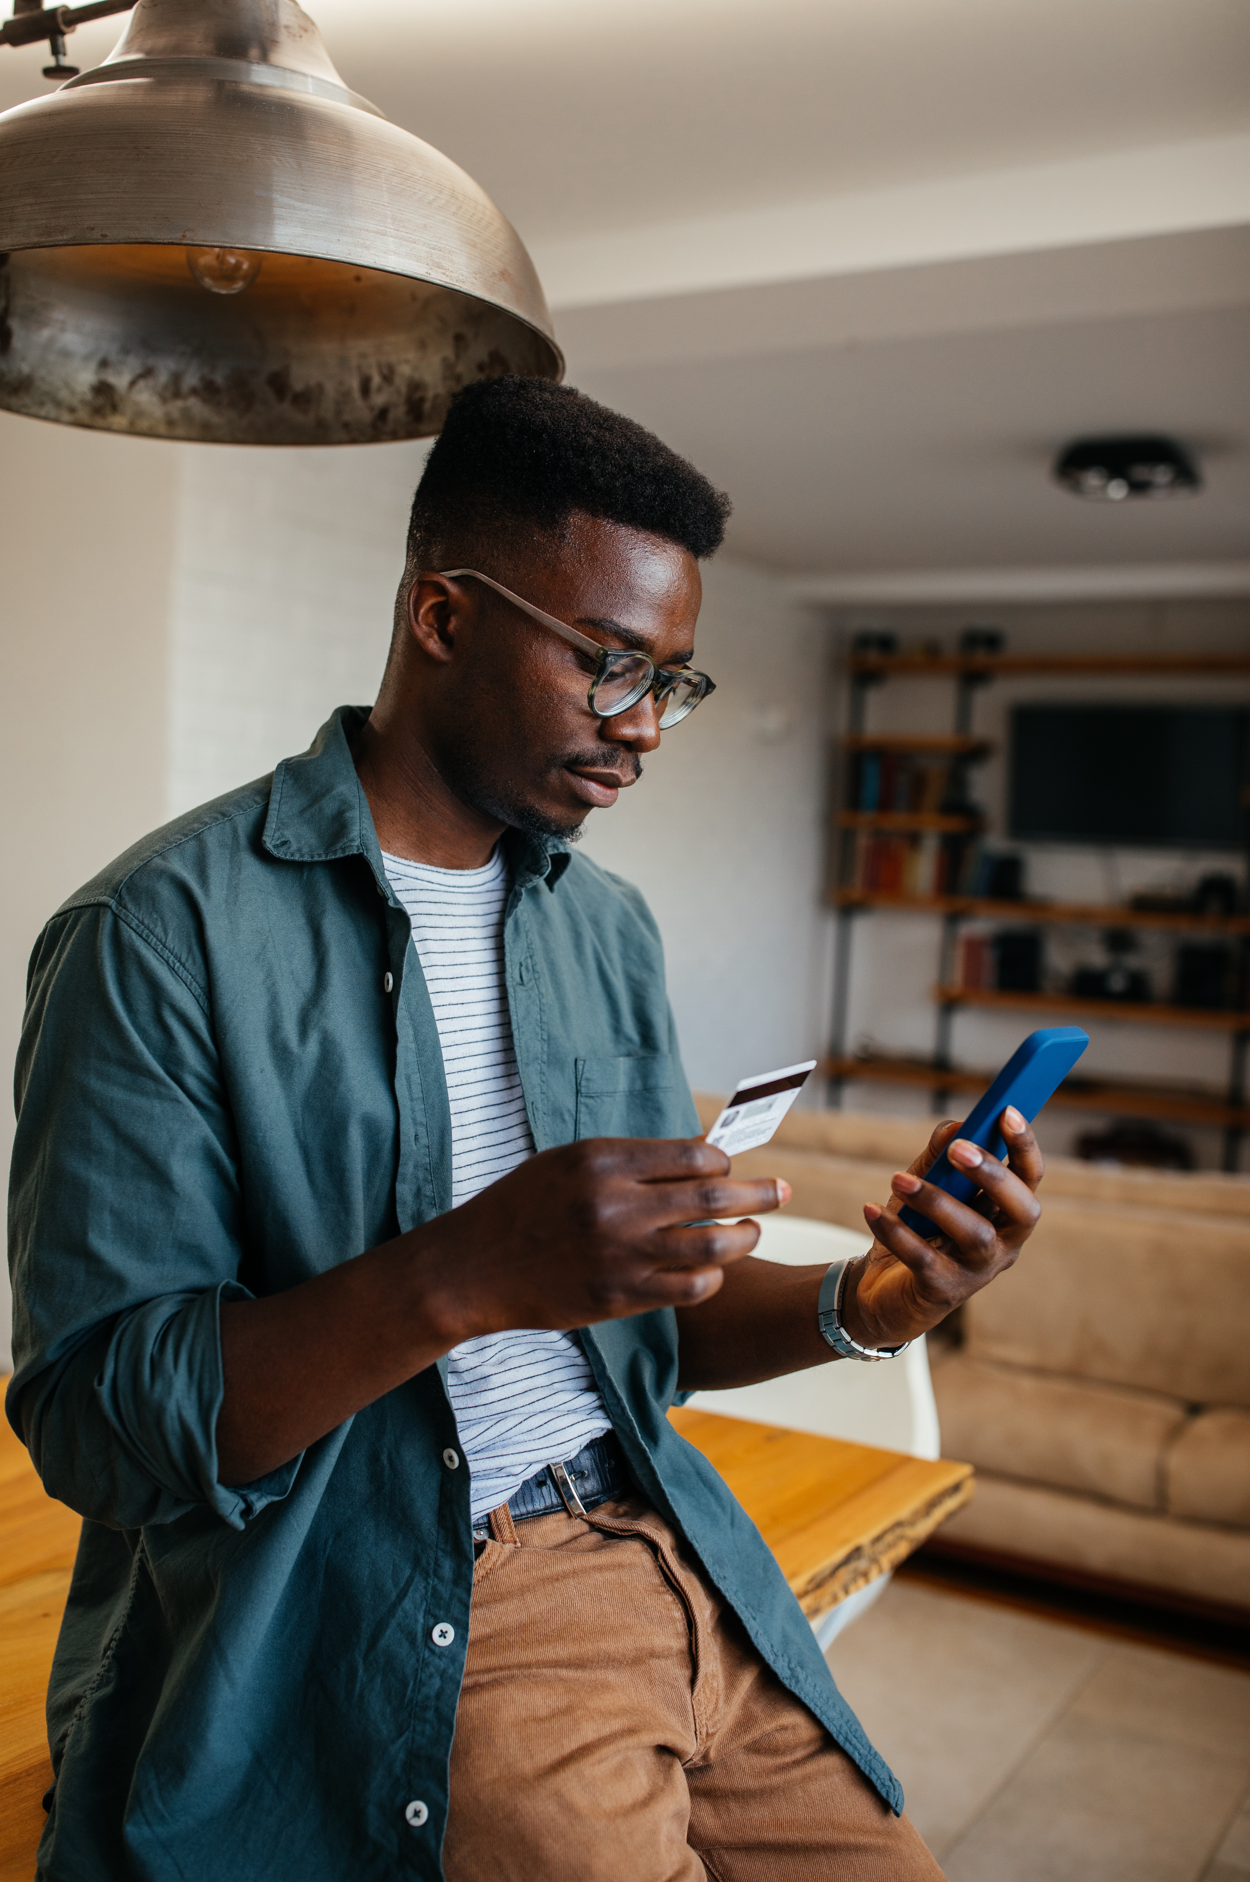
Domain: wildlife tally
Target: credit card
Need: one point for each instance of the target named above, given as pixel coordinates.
(757, 1107)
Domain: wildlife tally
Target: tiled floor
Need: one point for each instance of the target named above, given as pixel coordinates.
(1032, 1751)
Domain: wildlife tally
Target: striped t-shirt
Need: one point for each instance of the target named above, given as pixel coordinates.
(524, 1397)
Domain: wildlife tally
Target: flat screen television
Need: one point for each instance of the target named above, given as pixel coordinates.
(1174, 777)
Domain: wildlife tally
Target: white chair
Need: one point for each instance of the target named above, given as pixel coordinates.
(890, 1404)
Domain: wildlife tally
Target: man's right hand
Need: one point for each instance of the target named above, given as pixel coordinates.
(590, 1231)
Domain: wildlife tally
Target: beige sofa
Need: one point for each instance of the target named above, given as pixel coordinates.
(1102, 1387)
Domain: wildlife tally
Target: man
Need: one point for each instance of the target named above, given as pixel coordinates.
(362, 1241)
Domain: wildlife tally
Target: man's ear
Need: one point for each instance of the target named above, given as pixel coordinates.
(437, 613)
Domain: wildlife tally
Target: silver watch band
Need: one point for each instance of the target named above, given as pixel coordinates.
(829, 1317)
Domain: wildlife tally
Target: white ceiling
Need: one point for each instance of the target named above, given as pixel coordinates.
(578, 115)
(870, 262)
(935, 452)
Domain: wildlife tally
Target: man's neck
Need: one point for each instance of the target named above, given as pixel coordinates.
(414, 813)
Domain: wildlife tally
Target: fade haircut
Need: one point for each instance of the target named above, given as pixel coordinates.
(520, 456)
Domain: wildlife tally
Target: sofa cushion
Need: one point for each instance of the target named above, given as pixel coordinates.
(1142, 1298)
(1069, 1433)
(1142, 1547)
(1208, 1469)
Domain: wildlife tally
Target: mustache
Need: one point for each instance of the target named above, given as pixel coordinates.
(609, 758)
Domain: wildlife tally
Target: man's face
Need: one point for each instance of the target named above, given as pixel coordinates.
(506, 719)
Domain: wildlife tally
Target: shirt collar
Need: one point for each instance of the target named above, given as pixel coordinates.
(318, 811)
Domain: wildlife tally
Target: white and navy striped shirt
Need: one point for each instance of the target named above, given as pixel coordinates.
(524, 1397)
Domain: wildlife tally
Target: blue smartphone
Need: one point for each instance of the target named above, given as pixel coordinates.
(1031, 1075)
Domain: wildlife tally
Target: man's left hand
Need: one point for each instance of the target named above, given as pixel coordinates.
(905, 1285)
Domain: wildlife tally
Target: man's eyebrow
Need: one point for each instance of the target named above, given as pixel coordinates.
(631, 639)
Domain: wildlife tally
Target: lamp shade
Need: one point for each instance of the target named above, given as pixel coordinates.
(209, 236)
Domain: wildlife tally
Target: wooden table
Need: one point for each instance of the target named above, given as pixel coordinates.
(37, 1542)
(835, 1515)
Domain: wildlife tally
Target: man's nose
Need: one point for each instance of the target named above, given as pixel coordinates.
(638, 726)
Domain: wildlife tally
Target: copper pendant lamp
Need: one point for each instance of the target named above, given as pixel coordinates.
(210, 237)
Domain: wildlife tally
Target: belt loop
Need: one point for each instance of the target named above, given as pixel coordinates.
(502, 1527)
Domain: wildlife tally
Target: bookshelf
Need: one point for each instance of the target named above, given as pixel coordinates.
(1069, 1006)
(904, 820)
(1075, 914)
(1124, 1097)
(1066, 666)
(907, 851)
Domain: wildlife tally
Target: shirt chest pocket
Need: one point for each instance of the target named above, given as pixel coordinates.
(626, 1097)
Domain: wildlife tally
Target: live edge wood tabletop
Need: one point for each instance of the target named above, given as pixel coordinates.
(835, 1515)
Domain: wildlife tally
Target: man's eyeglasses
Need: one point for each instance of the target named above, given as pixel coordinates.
(621, 678)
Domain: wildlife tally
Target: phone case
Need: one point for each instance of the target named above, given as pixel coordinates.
(1031, 1075)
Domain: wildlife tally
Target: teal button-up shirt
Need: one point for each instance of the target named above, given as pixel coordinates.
(220, 1095)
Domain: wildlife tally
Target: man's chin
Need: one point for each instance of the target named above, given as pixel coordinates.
(496, 800)
(540, 820)
(537, 822)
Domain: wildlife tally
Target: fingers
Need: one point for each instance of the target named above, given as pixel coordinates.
(942, 1135)
(651, 1159)
(708, 1244)
(1013, 1211)
(1022, 1152)
(714, 1198)
(937, 1276)
(681, 1287)
(1013, 1203)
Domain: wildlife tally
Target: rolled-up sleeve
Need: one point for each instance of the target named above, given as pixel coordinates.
(125, 1229)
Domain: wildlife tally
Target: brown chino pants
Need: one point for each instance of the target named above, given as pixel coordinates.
(616, 1725)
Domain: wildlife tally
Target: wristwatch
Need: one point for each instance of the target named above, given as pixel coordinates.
(829, 1317)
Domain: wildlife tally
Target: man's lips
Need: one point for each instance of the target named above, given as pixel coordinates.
(597, 785)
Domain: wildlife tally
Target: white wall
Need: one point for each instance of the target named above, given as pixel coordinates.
(895, 955)
(286, 567)
(86, 548)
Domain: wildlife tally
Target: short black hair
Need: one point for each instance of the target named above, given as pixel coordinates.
(517, 451)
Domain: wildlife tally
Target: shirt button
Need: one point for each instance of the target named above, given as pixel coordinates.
(443, 1634)
(451, 1459)
(417, 1813)
(388, 981)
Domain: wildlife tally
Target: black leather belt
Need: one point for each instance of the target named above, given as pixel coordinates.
(574, 1485)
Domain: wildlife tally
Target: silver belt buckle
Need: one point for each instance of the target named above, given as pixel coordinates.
(564, 1484)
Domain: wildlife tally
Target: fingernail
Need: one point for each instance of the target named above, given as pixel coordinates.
(784, 1192)
(904, 1183)
(1012, 1119)
(872, 1210)
(967, 1154)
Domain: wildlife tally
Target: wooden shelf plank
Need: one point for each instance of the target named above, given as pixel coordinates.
(901, 820)
(1179, 1104)
(1131, 1011)
(943, 745)
(1091, 914)
(1011, 666)
(836, 1515)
